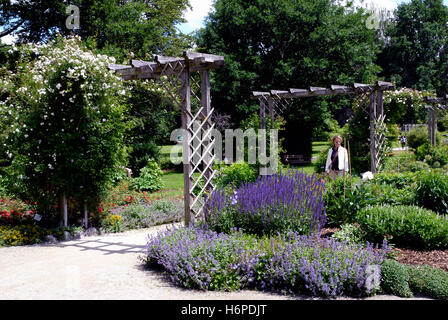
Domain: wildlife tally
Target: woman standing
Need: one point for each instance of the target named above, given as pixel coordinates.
(337, 160)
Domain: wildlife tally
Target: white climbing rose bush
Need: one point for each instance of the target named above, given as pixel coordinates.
(63, 121)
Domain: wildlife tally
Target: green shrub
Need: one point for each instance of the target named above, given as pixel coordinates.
(429, 281)
(349, 233)
(417, 137)
(401, 162)
(404, 225)
(361, 195)
(150, 178)
(432, 191)
(442, 122)
(398, 180)
(321, 160)
(395, 279)
(235, 175)
(432, 154)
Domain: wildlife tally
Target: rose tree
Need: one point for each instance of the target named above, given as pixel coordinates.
(63, 122)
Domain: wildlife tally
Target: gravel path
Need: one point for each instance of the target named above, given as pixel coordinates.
(99, 268)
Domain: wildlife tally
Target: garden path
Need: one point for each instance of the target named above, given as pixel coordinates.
(99, 268)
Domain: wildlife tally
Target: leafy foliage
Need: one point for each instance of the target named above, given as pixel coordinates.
(342, 208)
(435, 156)
(235, 175)
(395, 279)
(404, 225)
(115, 27)
(150, 178)
(432, 191)
(415, 51)
(154, 117)
(429, 281)
(63, 120)
(288, 44)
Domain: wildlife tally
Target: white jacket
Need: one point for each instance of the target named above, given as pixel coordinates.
(342, 157)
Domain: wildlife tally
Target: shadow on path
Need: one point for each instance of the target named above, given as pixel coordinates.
(106, 246)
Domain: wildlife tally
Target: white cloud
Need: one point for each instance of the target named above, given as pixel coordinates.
(195, 17)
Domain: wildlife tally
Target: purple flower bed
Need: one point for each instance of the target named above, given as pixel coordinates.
(293, 263)
(277, 203)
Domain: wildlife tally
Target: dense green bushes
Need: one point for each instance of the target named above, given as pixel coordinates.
(404, 225)
(434, 156)
(429, 281)
(395, 279)
(405, 281)
(432, 191)
(417, 137)
(235, 175)
(149, 179)
(396, 190)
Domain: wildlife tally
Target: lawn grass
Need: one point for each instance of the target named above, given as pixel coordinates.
(174, 181)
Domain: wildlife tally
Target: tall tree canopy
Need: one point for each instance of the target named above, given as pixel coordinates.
(114, 26)
(281, 44)
(415, 52)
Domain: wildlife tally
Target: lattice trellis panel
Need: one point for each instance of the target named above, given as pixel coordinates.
(380, 140)
(187, 81)
(186, 89)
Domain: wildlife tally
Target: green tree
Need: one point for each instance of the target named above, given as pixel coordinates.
(416, 43)
(288, 44)
(154, 118)
(116, 27)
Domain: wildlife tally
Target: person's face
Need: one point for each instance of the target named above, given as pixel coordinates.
(337, 142)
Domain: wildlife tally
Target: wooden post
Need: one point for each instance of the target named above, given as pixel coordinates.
(271, 104)
(432, 124)
(262, 138)
(86, 218)
(63, 204)
(205, 103)
(372, 112)
(186, 121)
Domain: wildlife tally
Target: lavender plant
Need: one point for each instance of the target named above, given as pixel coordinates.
(204, 259)
(283, 202)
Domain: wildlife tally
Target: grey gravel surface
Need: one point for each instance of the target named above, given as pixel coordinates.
(101, 268)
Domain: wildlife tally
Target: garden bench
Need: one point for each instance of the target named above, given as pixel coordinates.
(296, 159)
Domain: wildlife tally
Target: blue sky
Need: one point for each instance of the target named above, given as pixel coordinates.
(195, 17)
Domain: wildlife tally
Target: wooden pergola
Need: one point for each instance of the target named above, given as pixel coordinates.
(187, 81)
(276, 101)
(439, 103)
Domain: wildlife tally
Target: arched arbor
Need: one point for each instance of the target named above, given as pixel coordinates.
(187, 81)
(276, 101)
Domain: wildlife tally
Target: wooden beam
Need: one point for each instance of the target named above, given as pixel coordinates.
(257, 94)
(363, 87)
(299, 92)
(318, 90)
(116, 67)
(340, 89)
